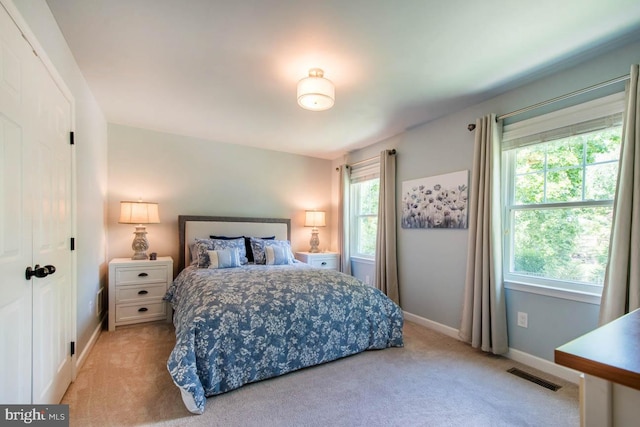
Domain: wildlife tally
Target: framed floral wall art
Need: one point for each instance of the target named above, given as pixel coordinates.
(436, 202)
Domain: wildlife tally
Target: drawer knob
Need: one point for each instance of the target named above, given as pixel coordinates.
(142, 275)
(143, 292)
(143, 309)
(324, 262)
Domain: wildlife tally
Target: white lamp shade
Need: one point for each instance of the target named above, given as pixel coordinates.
(139, 213)
(314, 219)
(315, 92)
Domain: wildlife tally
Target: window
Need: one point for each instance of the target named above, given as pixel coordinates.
(559, 188)
(365, 185)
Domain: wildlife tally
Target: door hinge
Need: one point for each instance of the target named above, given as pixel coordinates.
(71, 138)
(73, 348)
(73, 243)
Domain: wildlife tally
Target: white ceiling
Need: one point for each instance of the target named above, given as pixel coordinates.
(227, 70)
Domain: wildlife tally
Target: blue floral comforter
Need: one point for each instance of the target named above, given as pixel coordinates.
(239, 325)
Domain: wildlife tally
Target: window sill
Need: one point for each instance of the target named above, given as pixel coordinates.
(363, 260)
(572, 295)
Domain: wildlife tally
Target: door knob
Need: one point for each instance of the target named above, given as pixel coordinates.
(39, 272)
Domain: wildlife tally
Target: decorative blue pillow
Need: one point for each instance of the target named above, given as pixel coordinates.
(226, 258)
(203, 246)
(247, 243)
(276, 255)
(258, 245)
(257, 248)
(200, 252)
(238, 243)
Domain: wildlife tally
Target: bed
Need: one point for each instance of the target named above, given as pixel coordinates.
(237, 323)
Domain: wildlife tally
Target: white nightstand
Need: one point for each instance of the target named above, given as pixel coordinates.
(328, 260)
(136, 289)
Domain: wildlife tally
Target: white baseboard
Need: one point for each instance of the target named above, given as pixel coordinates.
(513, 354)
(438, 327)
(87, 349)
(544, 365)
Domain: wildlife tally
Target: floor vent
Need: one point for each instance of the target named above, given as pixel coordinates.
(544, 383)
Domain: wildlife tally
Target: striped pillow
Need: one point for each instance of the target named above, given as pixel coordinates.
(276, 255)
(258, 247)
(225, 258)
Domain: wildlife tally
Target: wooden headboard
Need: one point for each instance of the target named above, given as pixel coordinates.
(191, 227)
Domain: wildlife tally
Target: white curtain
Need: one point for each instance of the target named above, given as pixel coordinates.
(386, 258)
(484, 319)
(343, 220)
(621, 293)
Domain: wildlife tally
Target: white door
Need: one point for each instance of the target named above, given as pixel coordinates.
(15, 218)
(35, 314)
(50, 171)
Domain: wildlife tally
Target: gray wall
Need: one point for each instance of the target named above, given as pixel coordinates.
(91, 169)
(191, 176)
(552, 322)
(186, 176)
(364, 270)
(432, 262)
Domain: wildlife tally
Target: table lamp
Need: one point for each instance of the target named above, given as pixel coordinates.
(139, 213)
(314, 219)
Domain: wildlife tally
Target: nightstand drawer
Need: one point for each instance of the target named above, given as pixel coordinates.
(134, 275)
(328, 262)
(136, 289)
(128, 313)
(140, 292)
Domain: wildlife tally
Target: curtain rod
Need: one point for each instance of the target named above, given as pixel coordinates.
(472, 126)
(391, 153)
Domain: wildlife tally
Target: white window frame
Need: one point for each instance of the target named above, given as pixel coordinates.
(529, 132)
(361, 173)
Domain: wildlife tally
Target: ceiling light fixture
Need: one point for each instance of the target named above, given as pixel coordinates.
(316, 93)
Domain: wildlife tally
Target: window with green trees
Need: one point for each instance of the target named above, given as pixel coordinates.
(558, 207)
(364, 208)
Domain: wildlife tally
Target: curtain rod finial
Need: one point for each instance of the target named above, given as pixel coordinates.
(471, 127)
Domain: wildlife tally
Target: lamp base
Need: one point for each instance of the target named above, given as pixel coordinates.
(140, 243)
(315, 241)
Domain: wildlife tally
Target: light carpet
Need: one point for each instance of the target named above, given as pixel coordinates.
(434, 380)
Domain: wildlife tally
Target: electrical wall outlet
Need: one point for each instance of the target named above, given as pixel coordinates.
(367, 280)
(523, 319)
